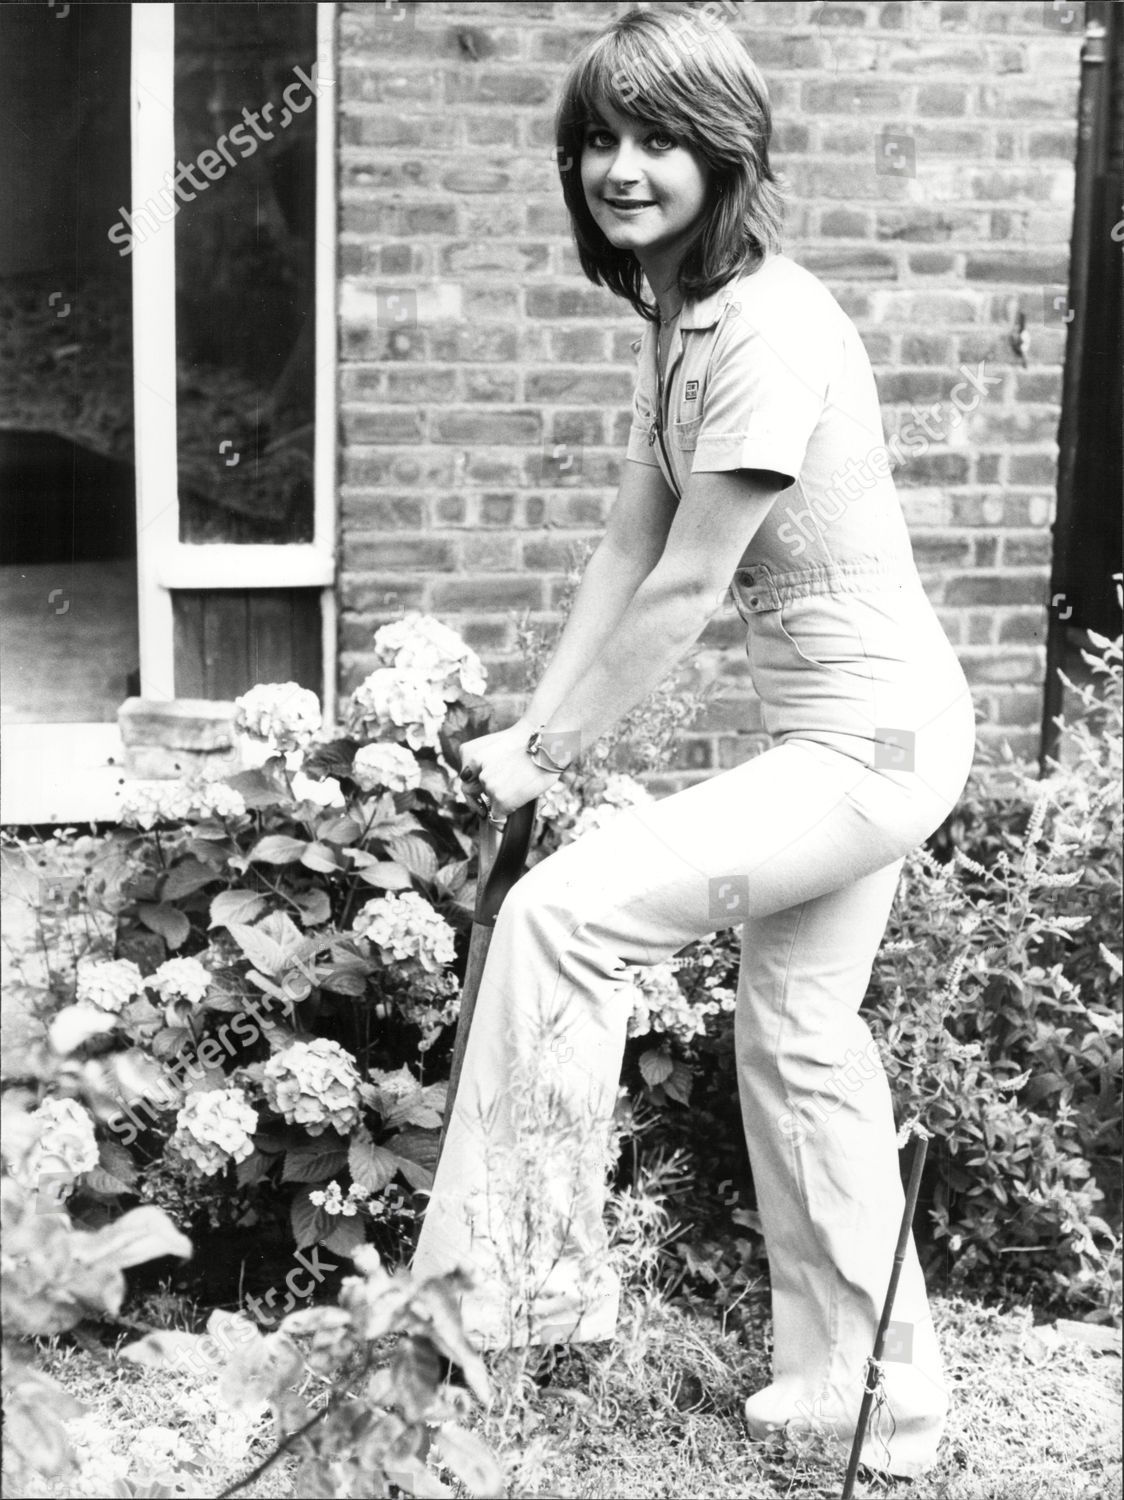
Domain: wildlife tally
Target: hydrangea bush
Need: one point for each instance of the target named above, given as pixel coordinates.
(271, 1030)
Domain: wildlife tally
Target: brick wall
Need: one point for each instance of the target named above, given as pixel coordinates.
(471, 344)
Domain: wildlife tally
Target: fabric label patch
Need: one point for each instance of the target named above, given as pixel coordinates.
(692, 390)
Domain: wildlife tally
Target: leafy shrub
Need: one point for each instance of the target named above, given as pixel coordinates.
(269, 1034)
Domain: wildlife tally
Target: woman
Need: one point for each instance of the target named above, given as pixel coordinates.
(756, 454)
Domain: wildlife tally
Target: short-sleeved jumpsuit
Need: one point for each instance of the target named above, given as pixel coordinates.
(872, 731)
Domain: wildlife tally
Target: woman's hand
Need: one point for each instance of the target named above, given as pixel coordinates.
(498, 765)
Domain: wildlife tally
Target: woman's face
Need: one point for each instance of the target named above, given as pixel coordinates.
(625, 161)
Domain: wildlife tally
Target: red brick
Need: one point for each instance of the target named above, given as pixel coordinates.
(480, 594)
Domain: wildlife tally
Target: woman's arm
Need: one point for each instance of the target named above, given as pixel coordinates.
(633, 543)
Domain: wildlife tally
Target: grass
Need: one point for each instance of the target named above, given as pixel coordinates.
(1036, 1416)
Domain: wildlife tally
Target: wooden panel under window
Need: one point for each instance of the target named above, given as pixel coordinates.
(227, 640)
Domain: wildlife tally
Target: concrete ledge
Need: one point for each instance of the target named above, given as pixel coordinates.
(178, 737)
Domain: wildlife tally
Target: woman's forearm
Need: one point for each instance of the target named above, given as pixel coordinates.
(607, 587)
(657, 628)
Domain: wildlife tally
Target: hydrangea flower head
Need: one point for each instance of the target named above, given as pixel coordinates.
(314, 1084)
(181, 979)
(108, 983)
(214, 1127)
(422, 644)
(401, 700)
(282, 713)
(66, 1144)
(384, 765)
(405, 927)
(659, 1004)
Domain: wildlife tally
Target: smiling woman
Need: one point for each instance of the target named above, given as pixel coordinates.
(751, 415)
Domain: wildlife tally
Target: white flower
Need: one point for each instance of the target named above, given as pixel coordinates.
(402, 698)
(560, 803)
(332, 1201)
(621, 791)
(181, 979)
(422, 644)
(143, 804)
(108, 983)
(406, 927)
(214, 1127)
(326, 793)
(315, 1084)
(282, 713)
(391, 767)
(659, 1004)
(66, 1144)
(217, 800)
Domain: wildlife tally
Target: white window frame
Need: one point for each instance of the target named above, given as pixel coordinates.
(163, 561)
(69, 772)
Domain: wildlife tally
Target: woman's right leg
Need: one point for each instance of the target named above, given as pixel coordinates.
(820, 1132)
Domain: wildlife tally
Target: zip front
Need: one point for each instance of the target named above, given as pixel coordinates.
(659, 424)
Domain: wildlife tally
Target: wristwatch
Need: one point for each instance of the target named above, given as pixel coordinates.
(535, 747)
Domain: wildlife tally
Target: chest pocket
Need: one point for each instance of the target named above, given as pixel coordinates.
(685, 435)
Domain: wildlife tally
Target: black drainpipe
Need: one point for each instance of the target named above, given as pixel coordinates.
(1092, 141)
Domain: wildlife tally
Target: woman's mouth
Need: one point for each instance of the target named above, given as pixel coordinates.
(628, 207)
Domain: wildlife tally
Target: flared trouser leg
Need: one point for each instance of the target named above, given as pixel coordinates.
(803, 844)
(820, 1133)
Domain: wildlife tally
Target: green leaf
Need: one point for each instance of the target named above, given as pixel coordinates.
(453, 877)
(142, 1234)
(424, 1109)
(309, 1223)
(103, 1184)
(332, 758)
(258, 789)
(677, 1085)
(253, 1169)
(470, 1459)
(169, 922)
(371, 1166)
(339, 830)
(315, 1162)
(271, 944)
(236, 906)
(313, 906)
(416, 1153)
(387, 875)
(187, 876)
(656, 1067)
(322, 858)
(116, 1159)
(277, 849)
(346, 1234)
(413, 852)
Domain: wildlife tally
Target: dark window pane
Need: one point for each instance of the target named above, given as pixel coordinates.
(245, 270)
(67, 482)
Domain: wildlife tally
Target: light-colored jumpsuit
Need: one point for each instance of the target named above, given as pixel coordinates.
(873, 733)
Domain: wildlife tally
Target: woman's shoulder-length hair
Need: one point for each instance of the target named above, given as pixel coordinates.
(679, 69)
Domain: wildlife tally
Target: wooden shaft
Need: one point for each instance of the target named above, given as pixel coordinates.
(911, 1196)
